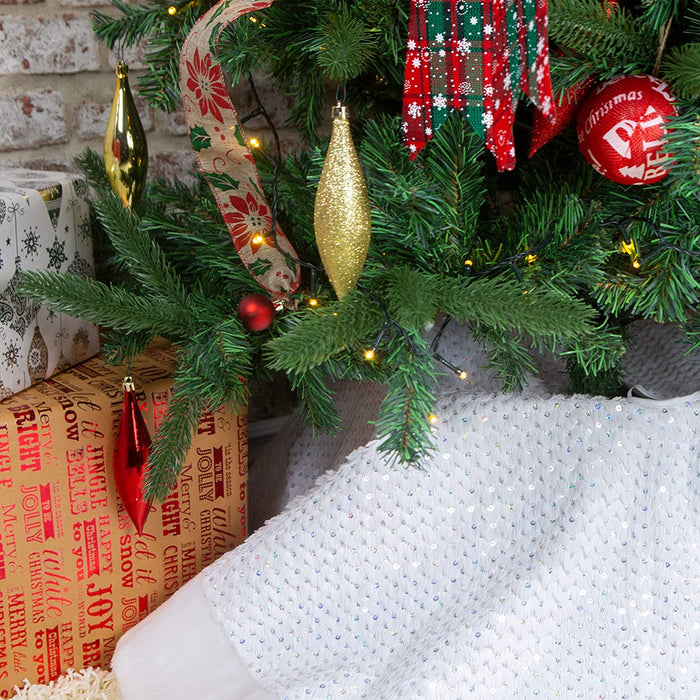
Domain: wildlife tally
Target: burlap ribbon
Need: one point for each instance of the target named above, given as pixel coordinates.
(224, 157)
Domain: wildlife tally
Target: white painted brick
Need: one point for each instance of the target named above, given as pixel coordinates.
(275, 103)
(132, 55)
(47, 44)
(180, 164)
(31, 119)
(83, 3)
(91, 118)
(52, 162)
(174, 123)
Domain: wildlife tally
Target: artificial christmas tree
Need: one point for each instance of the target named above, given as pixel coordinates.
(544, 549)
(527, 258)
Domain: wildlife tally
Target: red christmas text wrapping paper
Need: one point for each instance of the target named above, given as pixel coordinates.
(74, 574)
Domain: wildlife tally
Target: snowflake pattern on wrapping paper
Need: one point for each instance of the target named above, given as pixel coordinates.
(249, 223)
(57, 255)
(11, 355)
(81, 338)
(30, 242)
(206, 81)
(85, 228)
(36, 358)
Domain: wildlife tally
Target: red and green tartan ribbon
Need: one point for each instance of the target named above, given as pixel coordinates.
(224, 156)
(475, 56)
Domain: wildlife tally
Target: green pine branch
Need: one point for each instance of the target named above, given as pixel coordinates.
(211, 371)
(120, 347)
(171, 442)
(691, 330)
(683, 143)
(322, 334)
(344, 46)
(403, 422)
(602, 357)
(132, 25)
(424, 212)
(506, 306)
(681, 68)
(106, 305)
(134, 249)
(163, 35)
(655, 14)
(507, 354)
(316, 407)
(411, 297)
(663, 291)
(602, 34)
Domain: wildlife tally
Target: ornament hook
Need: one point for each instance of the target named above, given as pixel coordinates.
(338, 99)
(119, 53)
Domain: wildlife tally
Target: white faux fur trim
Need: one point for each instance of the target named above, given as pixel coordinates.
(88, 684)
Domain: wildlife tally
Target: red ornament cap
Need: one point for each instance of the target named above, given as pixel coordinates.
(621, 129)
(256, 312)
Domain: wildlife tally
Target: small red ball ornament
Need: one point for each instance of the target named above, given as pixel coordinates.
(621, 129)
(256, 312)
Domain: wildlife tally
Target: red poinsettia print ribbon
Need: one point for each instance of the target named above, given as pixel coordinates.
(224, 156)
(474, 56)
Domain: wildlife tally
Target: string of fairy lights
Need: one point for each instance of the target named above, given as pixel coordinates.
(275, 159)
(370, 354)
(628, 246)
(529, 256)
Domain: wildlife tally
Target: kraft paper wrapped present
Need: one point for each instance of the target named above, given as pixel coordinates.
(44, 225)
(74, 573)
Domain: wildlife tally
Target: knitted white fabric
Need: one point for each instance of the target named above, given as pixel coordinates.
(548, 550)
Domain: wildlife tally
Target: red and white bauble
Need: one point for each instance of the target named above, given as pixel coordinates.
(622, 126)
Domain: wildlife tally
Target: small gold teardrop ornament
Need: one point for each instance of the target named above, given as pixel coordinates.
(342, 217)
(125, 149)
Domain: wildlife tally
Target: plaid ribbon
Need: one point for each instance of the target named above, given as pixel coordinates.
(474, 56)
(224, 156)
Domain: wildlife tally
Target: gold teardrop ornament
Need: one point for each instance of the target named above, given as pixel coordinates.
(342, 219)
(125, 150)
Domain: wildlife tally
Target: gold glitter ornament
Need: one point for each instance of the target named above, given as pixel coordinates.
(125, 149)
(342, 219)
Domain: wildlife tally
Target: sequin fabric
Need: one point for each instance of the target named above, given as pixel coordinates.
(549, 550)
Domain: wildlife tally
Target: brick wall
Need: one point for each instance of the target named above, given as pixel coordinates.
(56, 87)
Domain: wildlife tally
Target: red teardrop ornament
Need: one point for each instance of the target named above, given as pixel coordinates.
(131, 451)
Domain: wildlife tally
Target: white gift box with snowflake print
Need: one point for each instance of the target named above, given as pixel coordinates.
(44, 225)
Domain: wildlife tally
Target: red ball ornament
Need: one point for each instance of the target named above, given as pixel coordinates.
(256, 312)
(621, 129)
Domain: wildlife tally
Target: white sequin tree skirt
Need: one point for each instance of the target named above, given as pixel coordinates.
(548, 550)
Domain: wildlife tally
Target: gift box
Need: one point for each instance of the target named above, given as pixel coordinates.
(74, 573)
(44, 225)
